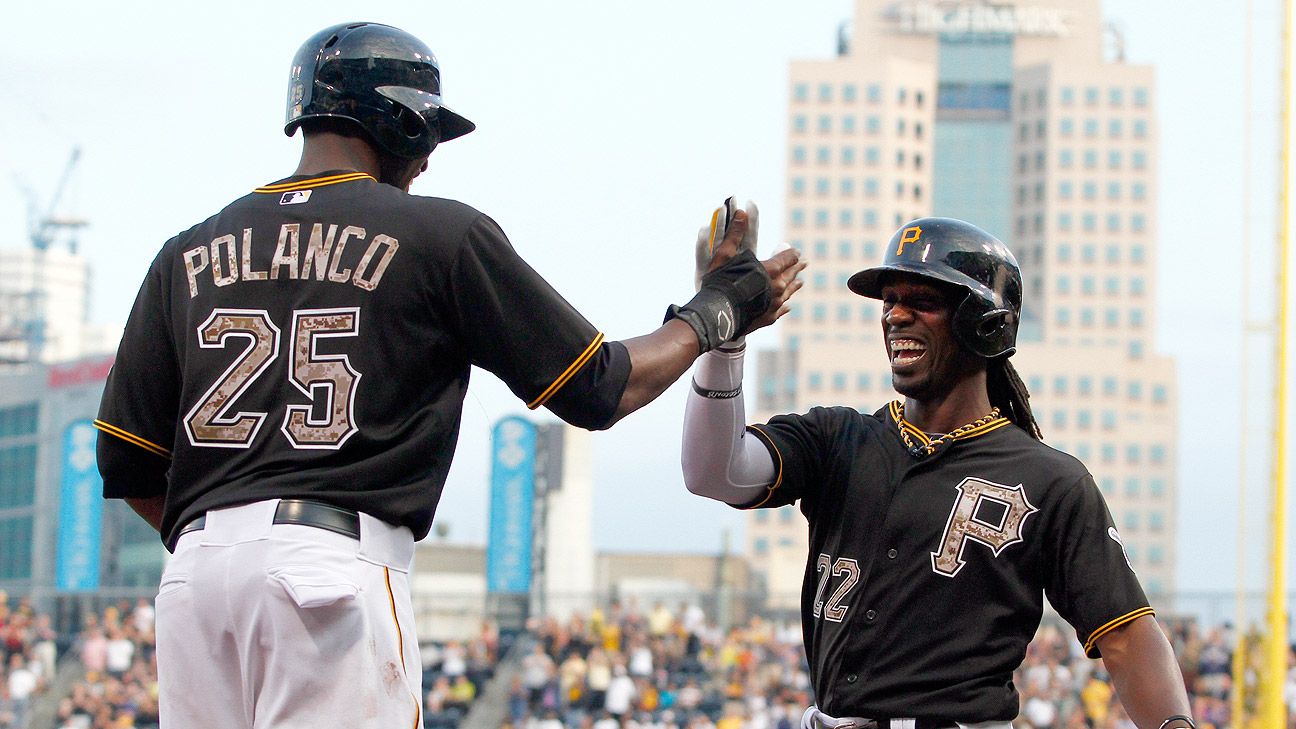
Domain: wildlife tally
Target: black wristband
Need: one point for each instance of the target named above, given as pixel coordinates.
(731, 298)
(717, 394)
(1179, 717)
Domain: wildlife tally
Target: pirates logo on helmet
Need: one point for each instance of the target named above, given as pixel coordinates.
(959, 253)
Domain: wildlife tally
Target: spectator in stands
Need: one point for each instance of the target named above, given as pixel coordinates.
(621, 692)
(94, 652)
(538, 671)
(120, 652)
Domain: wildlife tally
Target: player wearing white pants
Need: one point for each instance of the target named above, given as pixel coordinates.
(246, 607)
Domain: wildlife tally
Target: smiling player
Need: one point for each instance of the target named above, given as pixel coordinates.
(938, 524)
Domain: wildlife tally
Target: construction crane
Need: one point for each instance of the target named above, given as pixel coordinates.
(23, 335)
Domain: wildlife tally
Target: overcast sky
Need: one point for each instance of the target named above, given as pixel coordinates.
(606, 132)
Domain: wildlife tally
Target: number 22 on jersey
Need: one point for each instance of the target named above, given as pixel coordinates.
(328, 381)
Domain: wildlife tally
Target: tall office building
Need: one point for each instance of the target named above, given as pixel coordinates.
(1026, 120)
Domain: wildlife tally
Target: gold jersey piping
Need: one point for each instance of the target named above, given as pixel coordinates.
(133, 439)
(1091, 645)
(567, 374)
(315, 182)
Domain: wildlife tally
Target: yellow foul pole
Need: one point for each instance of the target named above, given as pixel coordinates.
(1272, 709)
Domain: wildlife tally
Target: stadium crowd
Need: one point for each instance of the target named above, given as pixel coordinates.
(615, 668)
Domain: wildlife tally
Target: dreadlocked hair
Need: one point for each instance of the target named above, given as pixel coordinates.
(1008, 393)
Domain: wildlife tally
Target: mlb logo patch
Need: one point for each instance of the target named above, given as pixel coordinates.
(295, 197)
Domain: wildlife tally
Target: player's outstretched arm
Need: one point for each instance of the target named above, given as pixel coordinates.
(1146, 675)
(659, 359)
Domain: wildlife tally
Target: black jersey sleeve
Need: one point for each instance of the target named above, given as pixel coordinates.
(519, 328)
(800, 446)
(1092, 583)
(141, 396)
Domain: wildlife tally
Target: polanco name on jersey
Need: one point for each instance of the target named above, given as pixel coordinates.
(231, 262)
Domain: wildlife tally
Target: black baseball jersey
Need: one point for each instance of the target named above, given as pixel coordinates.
(314, 340)
(926, 576)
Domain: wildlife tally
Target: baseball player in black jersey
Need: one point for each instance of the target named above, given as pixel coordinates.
(937, 524)
(287, 394)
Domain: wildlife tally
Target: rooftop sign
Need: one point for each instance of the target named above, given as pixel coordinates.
(930, 18)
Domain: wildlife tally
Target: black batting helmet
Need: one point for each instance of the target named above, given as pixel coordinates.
(379, 77)
(958, 253)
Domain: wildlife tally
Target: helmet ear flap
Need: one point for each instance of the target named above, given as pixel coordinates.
(986, 330)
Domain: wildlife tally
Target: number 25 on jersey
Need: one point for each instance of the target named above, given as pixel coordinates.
(328, 381)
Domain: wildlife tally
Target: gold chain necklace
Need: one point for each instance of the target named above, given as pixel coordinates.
(920, 451)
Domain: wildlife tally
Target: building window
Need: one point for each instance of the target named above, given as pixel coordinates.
(864, 381)
(814, 381)
(1090, 159)
(1114, 159)
(21, 420)
(825, 92)
(845, 218)
(847, 186)
(761, 544)
(798, 155)
(1091, 128)
(1111, 317)
(1064, 253)
(821, 186)
(1157, 486)
(16, 548)
(820, 251)
(1136, 285)
(872, 155)
(848, 93)
(798, 186)
(1066, 126)
(874, 93)
(1108, 485)
(825, 123)
(1109, 420)
(1062, 316)
(1064, 221)
(1065, 190)
(1136, 318)
(1113, 222)
(1140, 97)
(873, 124)
(1133, 454)
(821, 218)
(1138, 223)
(1089, 253)
(871, 186)
(1134, 390)
(848, 124)
(1116, 96)
(848, 155)
(823, 155)
(1065, 158)
(1113, 191)
(1138, 159)
(1087, 285)
(1140, 128)
(797, 217)
(1063, 284)
(1059, 418)
(1138, 191)
(839, 378)
(1115, 129)
(1107, 453)
(1091, 95)
(1066, 95)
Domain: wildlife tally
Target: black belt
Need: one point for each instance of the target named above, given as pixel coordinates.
(305, 513)
(919, 723)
